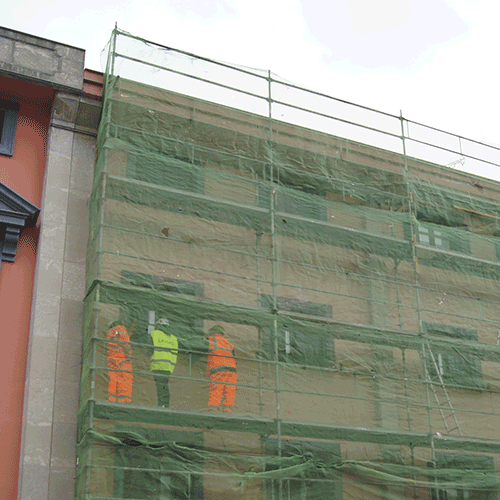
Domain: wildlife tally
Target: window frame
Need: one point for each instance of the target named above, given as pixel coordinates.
(286, 198)
(323, 454)
(455, 368)
(8, 126)
(123, 480)
(455, 461)
(190, 334)
(497, 249)
(448, 240)
(163, 165)
(295, 346)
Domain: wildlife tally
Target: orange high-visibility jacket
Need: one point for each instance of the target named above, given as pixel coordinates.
(119, 347)
(220, 355)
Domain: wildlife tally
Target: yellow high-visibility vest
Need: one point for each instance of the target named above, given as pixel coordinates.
(165, 351)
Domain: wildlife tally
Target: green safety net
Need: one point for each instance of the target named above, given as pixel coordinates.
(352, 258)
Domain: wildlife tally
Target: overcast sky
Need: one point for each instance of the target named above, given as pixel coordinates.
(436, 60)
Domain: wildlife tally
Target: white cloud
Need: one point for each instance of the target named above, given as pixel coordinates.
(369, 16)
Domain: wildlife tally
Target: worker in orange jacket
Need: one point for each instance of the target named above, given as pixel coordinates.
(119, 364)
(221, 368)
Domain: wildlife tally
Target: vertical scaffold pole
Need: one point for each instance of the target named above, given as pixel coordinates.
(398, 293)
(274, 279)
(113, 50)
(258, 237)
(413, 242)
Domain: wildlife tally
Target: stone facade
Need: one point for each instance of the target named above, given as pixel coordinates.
(48, 459)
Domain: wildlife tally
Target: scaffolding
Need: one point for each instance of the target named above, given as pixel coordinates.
(354, 271)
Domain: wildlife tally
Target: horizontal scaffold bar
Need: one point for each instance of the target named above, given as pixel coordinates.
(111, 292)
(289, 428)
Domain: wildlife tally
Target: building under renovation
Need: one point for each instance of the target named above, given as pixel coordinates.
(350, 255)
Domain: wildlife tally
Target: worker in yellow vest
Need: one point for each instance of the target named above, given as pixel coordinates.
(163, 360)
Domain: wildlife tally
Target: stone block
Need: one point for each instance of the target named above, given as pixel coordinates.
(89, 115)
(54, 214)
(53, 234)
(37, 444)
(72, 66)
(35, 482)
(65, 108)
(61, 141)
(70, 321)
(66, 401)
(41, 380)
(42, 60)
(43, 359)
(7, 51)
(49, 283)
(36, 58)
(78, 210)
(73, 285)
(76, 244)
(47, 313)
(69, 358)
(82, 165)
(63, 444)
(39, 408)
(62, 483)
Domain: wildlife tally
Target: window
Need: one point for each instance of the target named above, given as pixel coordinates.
(2, 238)
(8, 125)
(432, 237)
(174, 172)
(188, 329)
(157, 470)
(482, 464)
(454, 366)
(298, 346)
(303, 196)
(497, 250)
(162, 283)
(318, 479)
(443, 237)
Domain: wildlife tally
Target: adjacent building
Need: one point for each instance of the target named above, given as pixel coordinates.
(49, 113)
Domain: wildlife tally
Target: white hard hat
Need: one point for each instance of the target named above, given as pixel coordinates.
(163, 322)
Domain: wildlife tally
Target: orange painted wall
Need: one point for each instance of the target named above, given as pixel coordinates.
(24, 173)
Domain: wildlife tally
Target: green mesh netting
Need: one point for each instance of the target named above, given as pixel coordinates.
(354, 272)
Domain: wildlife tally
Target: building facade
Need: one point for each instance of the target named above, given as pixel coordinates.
(353, 268)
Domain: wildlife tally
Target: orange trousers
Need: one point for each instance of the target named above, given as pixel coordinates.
(120, 383)
(220, 393)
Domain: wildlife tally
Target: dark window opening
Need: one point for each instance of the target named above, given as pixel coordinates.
(318, 479)
(455, 366)
(2, 121)
(174, 172)
(8, 126)
(300, 195)
(441, 237)
(497, 249)
(295, 345)
(145, 313)
(151, 464)
(482, 465)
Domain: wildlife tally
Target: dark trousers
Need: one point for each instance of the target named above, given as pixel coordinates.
(161, 380)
